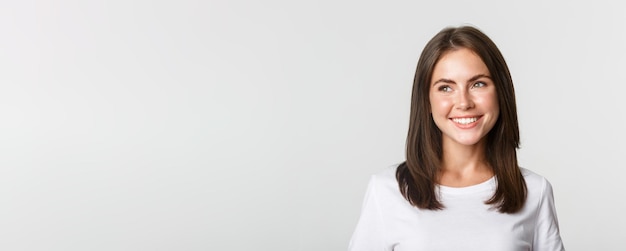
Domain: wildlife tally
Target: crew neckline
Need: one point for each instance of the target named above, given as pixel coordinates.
(483, 186)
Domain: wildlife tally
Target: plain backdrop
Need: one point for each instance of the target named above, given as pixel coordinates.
(255, 125)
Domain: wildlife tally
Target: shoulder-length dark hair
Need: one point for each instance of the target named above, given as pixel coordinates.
(417, 176)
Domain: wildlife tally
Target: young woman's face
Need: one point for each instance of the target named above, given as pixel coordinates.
(463, 98)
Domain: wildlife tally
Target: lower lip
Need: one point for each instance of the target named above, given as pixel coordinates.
(467, 126)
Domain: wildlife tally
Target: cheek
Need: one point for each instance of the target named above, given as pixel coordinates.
(440, 106)
(490, 104)
(493, 104)
(487, 100)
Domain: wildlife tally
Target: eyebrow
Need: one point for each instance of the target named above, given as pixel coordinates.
(472, 79)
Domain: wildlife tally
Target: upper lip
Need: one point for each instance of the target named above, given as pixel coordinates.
(466, 116)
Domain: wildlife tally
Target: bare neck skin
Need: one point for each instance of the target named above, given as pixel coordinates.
(463, 165)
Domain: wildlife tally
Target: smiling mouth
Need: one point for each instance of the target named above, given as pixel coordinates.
(465, 121)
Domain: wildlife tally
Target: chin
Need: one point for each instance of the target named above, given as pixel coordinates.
(467, 141)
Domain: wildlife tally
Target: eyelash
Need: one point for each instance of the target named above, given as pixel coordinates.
(447, 88)
(483, 84)
(444, 88)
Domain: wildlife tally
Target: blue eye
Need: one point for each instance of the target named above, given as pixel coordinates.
(479, 84)
(444, 88)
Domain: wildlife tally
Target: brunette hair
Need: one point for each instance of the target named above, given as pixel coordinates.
(417, 176)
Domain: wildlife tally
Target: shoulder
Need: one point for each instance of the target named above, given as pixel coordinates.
(538, 186)
(386, 176)
(385, 184)
(387, 172)
(532, 177)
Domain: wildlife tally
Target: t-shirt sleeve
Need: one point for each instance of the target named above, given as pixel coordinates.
(547, 236)
(369, 232)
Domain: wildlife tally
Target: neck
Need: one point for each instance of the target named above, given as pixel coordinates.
(463, 165)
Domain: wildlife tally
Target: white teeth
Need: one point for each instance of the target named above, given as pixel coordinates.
(464, 121)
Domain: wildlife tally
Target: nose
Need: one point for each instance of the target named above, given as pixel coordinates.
(464, 101)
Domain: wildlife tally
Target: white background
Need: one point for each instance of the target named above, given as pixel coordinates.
(255, 125)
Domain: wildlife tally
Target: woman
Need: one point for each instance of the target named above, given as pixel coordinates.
(460, 187)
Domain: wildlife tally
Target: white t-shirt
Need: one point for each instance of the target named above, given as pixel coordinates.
(388, 222)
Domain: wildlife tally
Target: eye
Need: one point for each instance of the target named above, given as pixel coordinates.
(444, 88)
(479, 84)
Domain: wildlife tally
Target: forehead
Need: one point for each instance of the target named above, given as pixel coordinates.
(459, 64)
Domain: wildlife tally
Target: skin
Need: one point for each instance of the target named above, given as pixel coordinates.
(462, 89)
